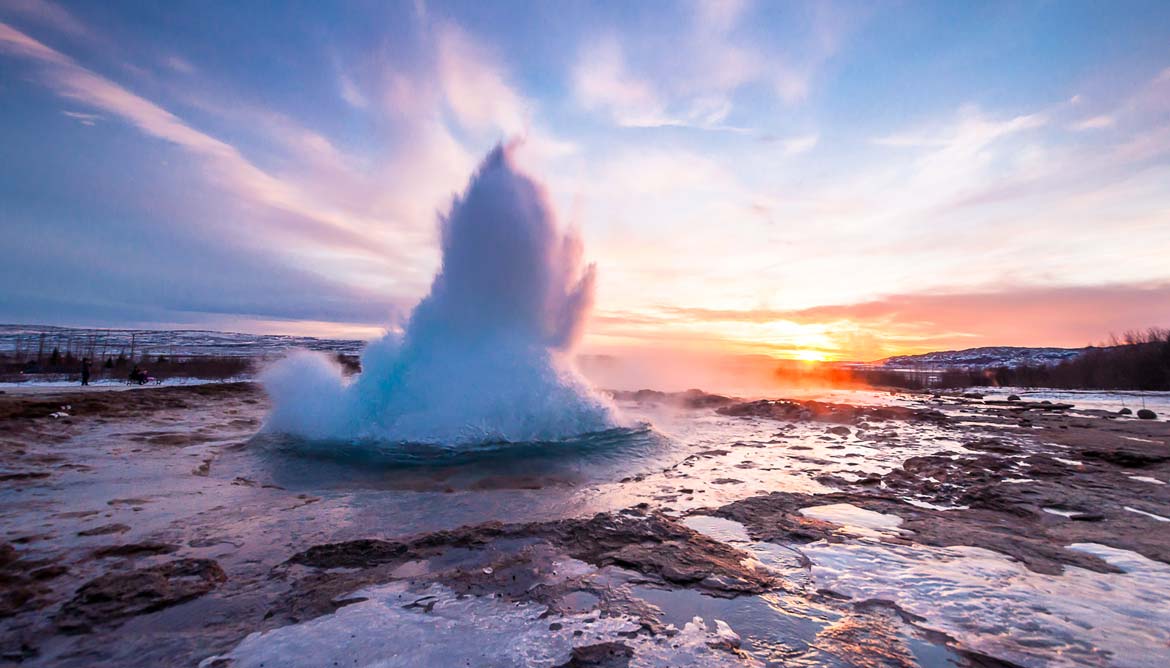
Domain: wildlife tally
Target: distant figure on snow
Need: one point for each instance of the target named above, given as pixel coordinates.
(138, 375)
(85, 364)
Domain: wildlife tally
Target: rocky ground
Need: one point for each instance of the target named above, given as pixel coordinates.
(150, 528)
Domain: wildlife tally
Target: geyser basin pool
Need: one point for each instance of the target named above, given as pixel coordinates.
(307, 464)
(485, 356)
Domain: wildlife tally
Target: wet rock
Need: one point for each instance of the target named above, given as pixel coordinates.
(24, 475)
(871, 641)
(728, 638)
(659, 546)
(104, 530)
(700, 399)
(689, 399)
(113, 597)
(122, 404)
(775, 518)
(1013, 397)
(714, 452)
(134, 550)
(21, 581)
(1019, 533)
(819, 411)
(839, 431)
(1146, 414)
(350, 554)
(641, 396)
(49, 572)
(600, 655)
(651, 544)
(521, 563)
(17, 653)
(1127, 457)
(990, 445)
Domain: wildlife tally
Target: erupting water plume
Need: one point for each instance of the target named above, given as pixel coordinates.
(485, 356)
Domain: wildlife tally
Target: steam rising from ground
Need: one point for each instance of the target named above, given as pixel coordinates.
(485, 356)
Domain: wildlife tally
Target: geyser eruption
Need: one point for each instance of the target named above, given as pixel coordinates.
(485, 356)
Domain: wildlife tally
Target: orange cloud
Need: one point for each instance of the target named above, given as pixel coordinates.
(1069, 316)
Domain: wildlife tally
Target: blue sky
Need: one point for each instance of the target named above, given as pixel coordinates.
(850, 179)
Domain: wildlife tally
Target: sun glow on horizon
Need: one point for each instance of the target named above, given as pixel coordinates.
(811, 355)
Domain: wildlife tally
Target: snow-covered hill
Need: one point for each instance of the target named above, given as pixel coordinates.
(31, 340)
(982, 358)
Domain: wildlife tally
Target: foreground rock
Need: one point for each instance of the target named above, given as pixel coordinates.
(648, 543)
(776, 518)
(659, 548)
(24, 583)
(689, 399)
(135, 577)
(111, 598)
(1073, 480)
(819, 411)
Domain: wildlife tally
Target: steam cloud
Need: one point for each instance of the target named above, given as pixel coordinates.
(484, 356)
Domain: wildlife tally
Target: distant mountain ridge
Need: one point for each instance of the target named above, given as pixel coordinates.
(987, 357)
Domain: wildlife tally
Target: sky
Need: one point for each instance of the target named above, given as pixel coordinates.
(801, 180)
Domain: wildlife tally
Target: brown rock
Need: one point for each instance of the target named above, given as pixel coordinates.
(113, 597)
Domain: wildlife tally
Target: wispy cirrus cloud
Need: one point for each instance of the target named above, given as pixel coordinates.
(339, 197)
(1094, 123)
(46, 14)
(1134, 133)
(326, 210)
(82, 117)
(179, 64)
(474, 89)
(691, 76)
(231, 169)
(971, 132)
(798, 145)
(603, 82)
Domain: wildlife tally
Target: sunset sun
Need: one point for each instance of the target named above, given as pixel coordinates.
(810, 355)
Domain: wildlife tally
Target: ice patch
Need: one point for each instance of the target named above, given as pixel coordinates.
(1061, 512)
(397, 627)
(852, 517)
(1145, 478)
(719, 528)
(1148, 514)
(994, 605)
(919, 503)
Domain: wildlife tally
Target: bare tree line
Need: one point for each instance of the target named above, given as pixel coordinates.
(1135, 360)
